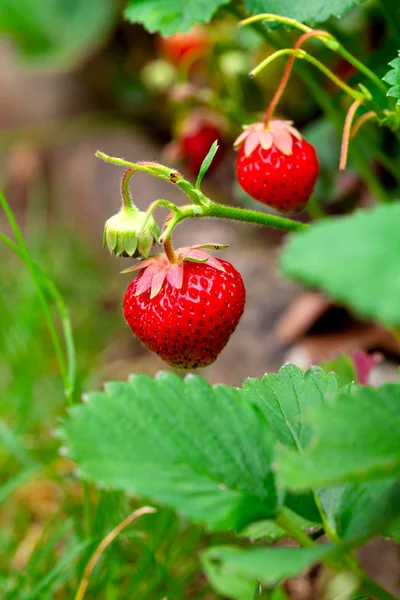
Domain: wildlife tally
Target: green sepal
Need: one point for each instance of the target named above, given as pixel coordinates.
(124, 234)
(130, 242)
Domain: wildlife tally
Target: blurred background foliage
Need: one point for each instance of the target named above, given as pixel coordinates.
(76, 77)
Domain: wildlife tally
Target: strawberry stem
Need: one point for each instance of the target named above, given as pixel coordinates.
(368, 116)
(168, 248)
(305, 56)
(346, 133)
(288, 69)
(328, 40)
(126, 196)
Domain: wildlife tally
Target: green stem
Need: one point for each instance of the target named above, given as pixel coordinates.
(220, 211)
(172, 207)
(373, 589)
(126, 196)
(168, 248)
(329, 530)
(367, 585)
(286, 74)
(253, 216)
(324, 100)
(328, 40)
(23, 252)
(160, 171)
(284, 521)
(301, 54)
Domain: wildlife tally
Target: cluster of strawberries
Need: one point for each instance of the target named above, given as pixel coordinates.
(185, 306)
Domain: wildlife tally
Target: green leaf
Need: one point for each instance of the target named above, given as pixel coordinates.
(283, 398)
(354, 259)
(312, 11)
(343, 367)
(361, 511)
(205, 165)
(269, 529)
(204, 451)
(55, 32)
(234, 572)
(392, 77)
(170, 17)
(356, 438)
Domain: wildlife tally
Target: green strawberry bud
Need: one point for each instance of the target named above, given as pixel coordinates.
(124, 234)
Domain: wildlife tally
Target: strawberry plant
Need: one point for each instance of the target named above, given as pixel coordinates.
(300, 455)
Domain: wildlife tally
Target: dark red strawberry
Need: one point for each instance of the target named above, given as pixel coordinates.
(185, 311)
(198, 132)
(276, 165)
(187, 46)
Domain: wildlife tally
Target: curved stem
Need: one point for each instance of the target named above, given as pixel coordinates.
(276, 18)
(160, 171)
(84, 583)
(167, 243)
(319, 65)
(172, 207)
(330, 41)
(152, 168)
(288, 69)
(368, 116)
(346, 133)
(126, 196)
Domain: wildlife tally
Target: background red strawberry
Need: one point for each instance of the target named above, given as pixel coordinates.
(186, 326)
(180, 47)
(276, 165)
(197, 134)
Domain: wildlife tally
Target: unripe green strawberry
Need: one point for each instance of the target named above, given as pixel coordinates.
(185, 311)
(124, 234)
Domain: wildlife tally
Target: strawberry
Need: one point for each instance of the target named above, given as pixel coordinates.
(185, 311)
(182, 47)
(276, 165)
(198, 132)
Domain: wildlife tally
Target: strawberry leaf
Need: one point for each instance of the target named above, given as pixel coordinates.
(204, 451)
(353, 259)
(234, 572)
(312, 11)
(356, 511)
(283, 398)
(168, 18)
(392, 77)
(362, 511)
(205, 165)
(355, 438)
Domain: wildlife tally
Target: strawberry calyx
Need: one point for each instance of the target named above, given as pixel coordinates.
(124, 234)
(159, 268)
(277, 133)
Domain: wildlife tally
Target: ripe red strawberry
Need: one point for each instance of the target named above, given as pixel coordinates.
(185, 311)
(198, 132)
(276, 165)
(187, 46)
